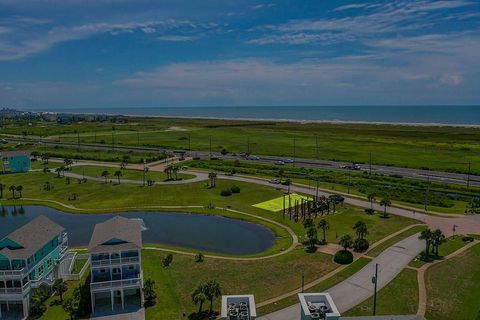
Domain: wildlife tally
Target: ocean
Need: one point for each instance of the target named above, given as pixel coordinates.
(461, 115)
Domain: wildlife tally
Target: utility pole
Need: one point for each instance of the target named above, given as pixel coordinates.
(189, 144)
(316, 190)
(370, 173)
(426, 192)
(375, 280)
(248, 145)
(95, 136)
(294, 149)
(468, 175)
(78, 139)
(138, 139)
(210, 147)
(144, 171)
(349, 179)
(303, 280)
(113, 138)
(316, 146)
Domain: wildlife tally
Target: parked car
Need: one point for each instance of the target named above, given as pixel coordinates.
(279, 163)
(254, 158)
(274, 181)
(288, 161)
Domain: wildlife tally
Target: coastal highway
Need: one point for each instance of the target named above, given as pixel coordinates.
(438, 176)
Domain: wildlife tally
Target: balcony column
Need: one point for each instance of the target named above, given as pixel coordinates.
(8, 307)
(92, 299)
(123, 297)
(112, 297)
(25, 308)
(0, 311)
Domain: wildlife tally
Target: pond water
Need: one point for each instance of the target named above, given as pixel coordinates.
(195, 231)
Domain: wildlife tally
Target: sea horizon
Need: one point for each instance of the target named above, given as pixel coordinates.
(413, 115)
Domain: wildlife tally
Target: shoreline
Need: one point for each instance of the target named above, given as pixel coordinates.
(304, 121)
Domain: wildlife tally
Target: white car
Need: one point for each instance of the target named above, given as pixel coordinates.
(289, 161)
(279, 163)
(254, 158)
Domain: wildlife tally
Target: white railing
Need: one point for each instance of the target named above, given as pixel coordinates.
(13, 273)
(116, 283)
(105, 262)
(16, 290)
(78, 276)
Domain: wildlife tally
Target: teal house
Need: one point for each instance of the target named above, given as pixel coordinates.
(15, 161)
(29, 257)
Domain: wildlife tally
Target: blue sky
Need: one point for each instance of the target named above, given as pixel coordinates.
(134, 53)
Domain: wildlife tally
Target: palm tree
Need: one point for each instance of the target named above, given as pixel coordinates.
(437, 239)
(199, 297)
(175, 170)
(12, 188)
(427, 236)
(2, 187)
(212, 290)
(324, 225)
(371, 199)
(288, 182)
(60, 287)
(346, 242)
(360, 229)
(105, 175)
(118, 174)
(58, 171)
(168, 171)
(45, 158)
(385, 202)
(68, 162)
(312, 238)
(281, 172)
(213, 179)
(19, 189)
(149, 292)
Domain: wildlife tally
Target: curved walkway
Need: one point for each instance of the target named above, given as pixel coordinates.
(422, 289)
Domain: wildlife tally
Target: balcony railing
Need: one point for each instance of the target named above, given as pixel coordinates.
(13, 273)
(16, 290)
(104, 262)
(116, 284)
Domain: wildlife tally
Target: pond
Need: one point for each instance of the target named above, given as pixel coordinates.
(193, 231)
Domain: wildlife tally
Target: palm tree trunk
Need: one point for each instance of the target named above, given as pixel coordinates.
(200, 307)
(324, 240)
(211, 305)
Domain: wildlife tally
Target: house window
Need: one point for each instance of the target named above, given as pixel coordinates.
(40, 270)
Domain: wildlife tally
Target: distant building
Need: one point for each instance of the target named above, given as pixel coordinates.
(316, 306)
(115, 261)
(29, 257)
(15, 161)
(238, 307)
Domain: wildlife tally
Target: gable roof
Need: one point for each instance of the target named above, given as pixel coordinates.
(31, 237)
(117, 233)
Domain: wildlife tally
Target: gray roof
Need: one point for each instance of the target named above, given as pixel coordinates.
(125, 233)
(32, 237)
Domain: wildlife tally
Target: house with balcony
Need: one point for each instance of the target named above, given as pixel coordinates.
(115, 261)
(29, 257)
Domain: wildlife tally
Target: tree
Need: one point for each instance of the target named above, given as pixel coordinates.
(371, 199)
(427, 236)
(473, 206)
(288, 182)
(385, 202)
(72, 304)
(312, 238)
(360, 229)
(281, 172)
(167, 261)
(175, 170)
(19, 189)
(2, 187)
(149, 292)
(324, 225)
(45, 158)
(213, 179)
(12, 188)
(68, 162)
(308, 223)
(346, 242)
(199, 297)
(60, 287)
(199, 257)
(212, 290)
(437, 239)
(105, 175)
(58, 171)
(118, 174)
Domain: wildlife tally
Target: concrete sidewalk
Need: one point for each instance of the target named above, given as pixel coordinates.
(359, 287)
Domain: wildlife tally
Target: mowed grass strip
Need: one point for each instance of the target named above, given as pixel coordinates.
(264, 278)
(453, 287)
(399, 297)
(277, 204)
(356, 266)
(390, 242)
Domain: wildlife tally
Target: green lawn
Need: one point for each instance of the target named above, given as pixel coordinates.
(399, 297)
(261, 278)
(451, 245)
(357, 265)
(409, 146)
(128, 174)
(453, 287)
(390, 242)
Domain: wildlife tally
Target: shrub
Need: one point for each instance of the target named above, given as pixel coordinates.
(467, 239)
(360, 245)
(167, 261)
(226, 193)
(199, 257)
(369, 211)
(235, 189)
(343, 257)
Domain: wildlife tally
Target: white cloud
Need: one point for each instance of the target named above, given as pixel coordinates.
(177, 38)
(262, 6)
(451, 79)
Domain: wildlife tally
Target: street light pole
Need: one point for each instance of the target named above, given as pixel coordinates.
(468, 175)
(303, 280)
(375, 280)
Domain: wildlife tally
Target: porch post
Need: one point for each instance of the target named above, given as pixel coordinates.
(123, 297)
(92, 300)
(25, 308)
(111, 296)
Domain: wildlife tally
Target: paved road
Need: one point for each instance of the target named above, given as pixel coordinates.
(440, 176)
(359, 287)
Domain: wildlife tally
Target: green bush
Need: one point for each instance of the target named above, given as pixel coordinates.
(235, 189)
(226, 193)
(360, 245)
(343, 257)
(369, 211)
(167, 261)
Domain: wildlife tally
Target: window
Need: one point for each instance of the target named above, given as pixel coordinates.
(40, 269)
